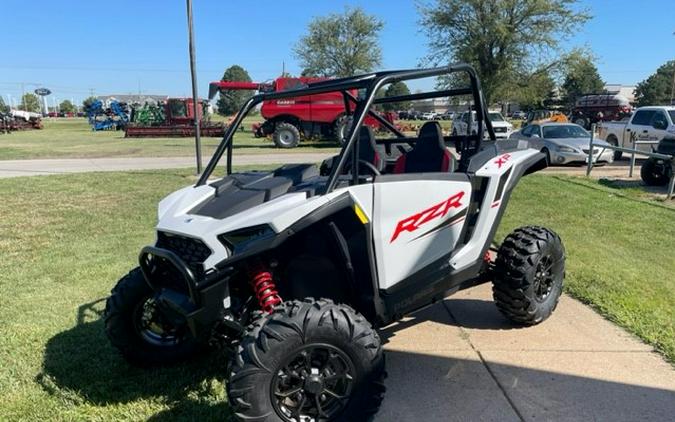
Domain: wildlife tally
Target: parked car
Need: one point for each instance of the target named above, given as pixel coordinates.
(590, 109)
(502, 128)
(518, 115)
(650, 123)
(563, 143)
(448, 115)
(429, 115)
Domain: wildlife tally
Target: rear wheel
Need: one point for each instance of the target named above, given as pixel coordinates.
(529, 274)
(308, 361)
(138, 329)
(654, 174)
(286, 135)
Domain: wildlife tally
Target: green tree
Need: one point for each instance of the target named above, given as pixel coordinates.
(4, 108)
(658, 88)
(67, 107)
(504, 40)
(30, 102)
(535, 91)
(87, 103)
(394, 90)
(231, 101)
(340, 45)
(580, 77)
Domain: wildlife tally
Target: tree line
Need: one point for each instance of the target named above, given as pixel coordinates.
(516, 47)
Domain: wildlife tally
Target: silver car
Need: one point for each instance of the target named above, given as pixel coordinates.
(564, 143)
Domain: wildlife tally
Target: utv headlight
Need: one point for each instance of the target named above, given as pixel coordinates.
(238, 239)
(566, 149)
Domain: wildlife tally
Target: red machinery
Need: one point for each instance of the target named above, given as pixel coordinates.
(290, 120)
(176, 119)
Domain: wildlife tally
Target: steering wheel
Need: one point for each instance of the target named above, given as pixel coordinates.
(368, 165)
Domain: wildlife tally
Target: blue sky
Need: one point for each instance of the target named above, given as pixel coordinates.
(75, 48)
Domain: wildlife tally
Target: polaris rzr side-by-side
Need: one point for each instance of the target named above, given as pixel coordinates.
(293, 270)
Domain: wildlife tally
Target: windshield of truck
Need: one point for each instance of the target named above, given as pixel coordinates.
(565, 131)
(496, 117)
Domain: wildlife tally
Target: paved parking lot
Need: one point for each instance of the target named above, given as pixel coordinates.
(460, 360)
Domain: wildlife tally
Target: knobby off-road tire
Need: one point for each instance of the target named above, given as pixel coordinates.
(529, 273)
(137, 329)
(653, 174)
(341, 128)
(308, 352)
(286, 135)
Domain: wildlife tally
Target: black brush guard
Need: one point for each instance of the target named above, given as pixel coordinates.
(197, 302)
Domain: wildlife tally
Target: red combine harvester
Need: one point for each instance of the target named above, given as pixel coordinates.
(174, 119)
(307, 116)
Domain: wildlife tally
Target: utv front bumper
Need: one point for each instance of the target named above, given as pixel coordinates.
(179, 294)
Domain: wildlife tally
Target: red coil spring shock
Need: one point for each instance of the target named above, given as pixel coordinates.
(265, 290)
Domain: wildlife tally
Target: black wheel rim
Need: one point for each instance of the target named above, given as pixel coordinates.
(544, 279)
(152, 327)
(313, 384)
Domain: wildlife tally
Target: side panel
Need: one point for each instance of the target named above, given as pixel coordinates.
(417, 222)
(502, 172)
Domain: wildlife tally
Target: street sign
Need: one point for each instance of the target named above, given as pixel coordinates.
(42, 91)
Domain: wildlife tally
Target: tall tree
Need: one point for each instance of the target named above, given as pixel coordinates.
(4, 108)
(231, 101)
(393, 90)
(67, 107)
(504, 40)
(581, 77)
(533, 92)
(658, 88)
(340, 45)
(30, 102)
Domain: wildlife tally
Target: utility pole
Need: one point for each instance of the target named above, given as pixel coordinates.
(195, 96)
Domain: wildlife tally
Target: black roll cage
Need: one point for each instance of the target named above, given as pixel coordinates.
(371, 82)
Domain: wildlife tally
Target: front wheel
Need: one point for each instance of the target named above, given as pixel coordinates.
(655, 174)
(137, 328)
(308, 361)
(286, 135)
(529, 273)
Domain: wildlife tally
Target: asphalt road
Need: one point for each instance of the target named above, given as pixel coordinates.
(14, 168)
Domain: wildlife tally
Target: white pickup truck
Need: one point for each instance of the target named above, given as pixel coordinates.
(646, 124)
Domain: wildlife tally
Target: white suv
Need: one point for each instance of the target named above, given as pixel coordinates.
(503, 129)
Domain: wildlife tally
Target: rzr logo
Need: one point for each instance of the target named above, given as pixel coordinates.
(502, 160)
(412, 223)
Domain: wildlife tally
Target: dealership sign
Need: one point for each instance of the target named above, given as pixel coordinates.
(42, 91)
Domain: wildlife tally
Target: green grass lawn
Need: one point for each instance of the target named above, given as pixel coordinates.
(65, 240)
(73, 138)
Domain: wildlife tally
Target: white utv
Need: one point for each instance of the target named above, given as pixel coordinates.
(295, 269)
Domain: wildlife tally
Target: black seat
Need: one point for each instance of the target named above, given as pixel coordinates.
(367, 152)
(429, 154)
(368, 148)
